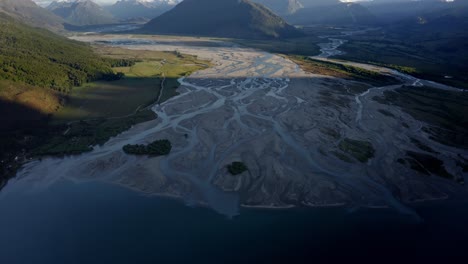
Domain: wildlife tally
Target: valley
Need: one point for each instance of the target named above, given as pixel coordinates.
(306, 139)
(233, 131)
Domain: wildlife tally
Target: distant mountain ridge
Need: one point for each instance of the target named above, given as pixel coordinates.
(222, 18)
(370, 13)
(81, 12)
(335, 13)
(30, 13)
(282, 7)
(149, 9)
(393, 11)
(442, 19)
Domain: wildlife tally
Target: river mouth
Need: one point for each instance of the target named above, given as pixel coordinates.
(297, 133)
(106, 206)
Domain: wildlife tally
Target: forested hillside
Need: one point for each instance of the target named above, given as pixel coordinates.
(222, 18)
(41, 58)
(37, 70)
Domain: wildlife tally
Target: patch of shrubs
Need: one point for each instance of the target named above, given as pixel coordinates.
(113, 76)
(237, 168)
(121, 62)
(156, 148)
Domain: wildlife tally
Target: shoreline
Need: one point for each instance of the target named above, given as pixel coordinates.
(180, 199)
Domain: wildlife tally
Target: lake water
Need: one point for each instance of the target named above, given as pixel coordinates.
(101, 223)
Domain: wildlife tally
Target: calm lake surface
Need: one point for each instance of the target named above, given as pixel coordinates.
(101, 223)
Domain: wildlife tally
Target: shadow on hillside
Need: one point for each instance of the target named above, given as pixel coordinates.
(17, 116)
(19, 130)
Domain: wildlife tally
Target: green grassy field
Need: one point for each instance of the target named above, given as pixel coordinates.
(343, 71)
(140, 87)
(169, 69)
(109, 99)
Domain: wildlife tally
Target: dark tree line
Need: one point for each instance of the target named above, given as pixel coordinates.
(237, 167)
(156, 148)
(121, 62)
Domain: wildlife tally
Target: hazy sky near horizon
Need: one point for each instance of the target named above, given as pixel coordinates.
(108, 2)
(46, 2)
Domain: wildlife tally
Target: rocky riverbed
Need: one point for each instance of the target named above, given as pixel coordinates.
(307, 140)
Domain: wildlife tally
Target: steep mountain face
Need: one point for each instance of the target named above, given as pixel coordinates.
(394, 11)
(281, 7)
(81, 12)
(28, 12)
(222, 18)
(149, 9)
(441, 20)
(375, 12)
(333, 14)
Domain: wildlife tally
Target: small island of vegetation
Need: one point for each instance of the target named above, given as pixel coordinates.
(363, 151)
(237, 168)
(156, 148)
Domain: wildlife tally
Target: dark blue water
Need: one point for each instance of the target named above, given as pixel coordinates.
(99, 223)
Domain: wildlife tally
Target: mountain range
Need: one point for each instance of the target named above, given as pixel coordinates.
(333, 13)
(30, 13)
(81, 12)
(282, 7)
(438, 22)
(222, 18)
(148, 9)
(393, 11)
(303, 12)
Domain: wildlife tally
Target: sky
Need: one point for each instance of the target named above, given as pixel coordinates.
(107, 2)
(103, 2)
